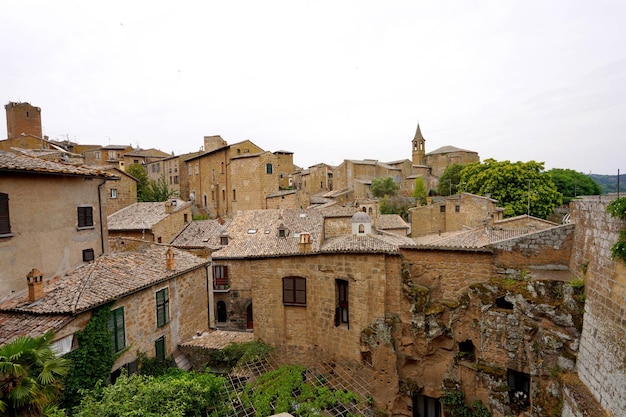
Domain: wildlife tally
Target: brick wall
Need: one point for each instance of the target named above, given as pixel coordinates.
(602, 360)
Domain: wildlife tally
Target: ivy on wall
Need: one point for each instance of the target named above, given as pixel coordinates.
(92, 360)
(617, 209)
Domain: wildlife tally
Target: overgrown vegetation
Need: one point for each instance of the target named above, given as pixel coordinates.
(238, 353)
(384, 187)
(453, 402)
(287, 390)
(450, 180)
(92, 361)
(148, 190)
(571, 184)
(617, 209)
(174, 394)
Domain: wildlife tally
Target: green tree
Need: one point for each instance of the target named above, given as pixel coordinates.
(419, 191)
(30, 376)
(519, 187)
(158, 191)
(397, 205)
(177, 393)
(450, 180)
(143, 182)
(384, 187)
(571, 183)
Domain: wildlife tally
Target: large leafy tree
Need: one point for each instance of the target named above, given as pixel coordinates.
(30, 376)
(419, 191)
(450, 180)
(143, 182)
(384, 187)
(519, 187)
(571, 183)
(148, 190)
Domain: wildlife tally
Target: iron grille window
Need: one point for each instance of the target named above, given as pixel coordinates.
(85, 216)
(163, 307)
(294, 291)
(116, 329)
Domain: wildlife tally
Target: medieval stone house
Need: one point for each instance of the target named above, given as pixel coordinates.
(157, 297)
(122, 193)
(52, 217)
(151, 221)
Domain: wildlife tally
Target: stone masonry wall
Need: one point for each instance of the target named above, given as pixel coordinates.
(549, 248)
(602, 358)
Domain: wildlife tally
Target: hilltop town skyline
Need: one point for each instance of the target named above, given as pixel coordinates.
(527, 81)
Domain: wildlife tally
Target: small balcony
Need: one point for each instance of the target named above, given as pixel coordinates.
(221, 285)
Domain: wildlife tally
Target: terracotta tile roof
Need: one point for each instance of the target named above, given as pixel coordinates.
(10, 162)
(448, 149)
(281, 193)
(470, 239)
(14, 325)
(390, 221)
(139, 216)
(152, 152)
(372, 243)
(218, 339)
(201, 234)
(107, 278)
(254, 233)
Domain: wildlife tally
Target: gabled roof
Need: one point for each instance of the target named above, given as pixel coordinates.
(12, 163)
(107, 278)
(448, 149)
(152, 152)
(390, 221)
(201, 234)
(254, 233)
(13, 325)
(371, 243)
(142, 216)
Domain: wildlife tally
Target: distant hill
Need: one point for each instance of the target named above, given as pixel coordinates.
(608, 183)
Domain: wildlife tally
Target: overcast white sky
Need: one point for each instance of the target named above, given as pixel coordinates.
(328, 80)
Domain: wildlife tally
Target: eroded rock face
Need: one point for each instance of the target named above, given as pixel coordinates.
(504, 341)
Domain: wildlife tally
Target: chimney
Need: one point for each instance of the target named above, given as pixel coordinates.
(169, 207)
(305, 242)
(35, 285)
(169, 259)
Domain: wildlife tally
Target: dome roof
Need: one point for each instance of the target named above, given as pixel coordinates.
(361, 217)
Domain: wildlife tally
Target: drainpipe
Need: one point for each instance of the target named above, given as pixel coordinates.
(210, 299)
(100, 213)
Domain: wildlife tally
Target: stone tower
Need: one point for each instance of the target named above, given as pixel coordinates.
(23, 119)
(419, 147)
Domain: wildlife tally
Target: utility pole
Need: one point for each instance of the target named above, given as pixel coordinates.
(528, 210)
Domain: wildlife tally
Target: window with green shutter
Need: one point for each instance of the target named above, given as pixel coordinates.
(116, 329)
(5, 224)
(162, 307)
(159, 348)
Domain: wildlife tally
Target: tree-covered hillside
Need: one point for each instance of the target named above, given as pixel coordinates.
(609, 182)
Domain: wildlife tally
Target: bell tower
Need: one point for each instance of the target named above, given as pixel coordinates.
(23, 119)
(419, 147)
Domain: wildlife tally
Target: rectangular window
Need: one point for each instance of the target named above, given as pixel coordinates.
(220, 275)
(457, 209)
(88, 255)
(234, 195)
(189, 169)
(442, 209)
(163, 307)
(159, 349)
(197, 169)
(294, 291)
(175, 179)
(113, 193)
(98, 155)
(341, 313)
(85, 216)
(268, 168)
(426, 406)
(223, 195)
(116, 329)
(5, 224)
